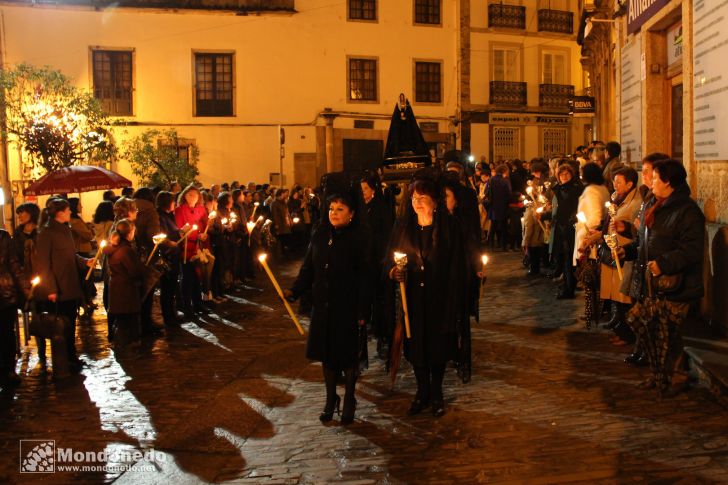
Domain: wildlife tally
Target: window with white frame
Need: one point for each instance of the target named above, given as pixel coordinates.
(554, 67)
(506, 64)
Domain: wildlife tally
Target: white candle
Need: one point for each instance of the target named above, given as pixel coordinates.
(262, 258)
(102, 245)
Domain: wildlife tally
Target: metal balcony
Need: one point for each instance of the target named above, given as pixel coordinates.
(508, 16)
(508, 93)
(555, 96)
(557, 21)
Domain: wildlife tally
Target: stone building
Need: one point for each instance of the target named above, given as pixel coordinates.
(520, 68)
(232, 75)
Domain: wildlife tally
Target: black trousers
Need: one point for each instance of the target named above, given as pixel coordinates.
(8, 315)
(126, 328)
(499, 230)
(191, 291)
(429, 382)
(534, 257)
(168, 295)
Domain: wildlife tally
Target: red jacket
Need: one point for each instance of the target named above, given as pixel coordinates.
(185, 214)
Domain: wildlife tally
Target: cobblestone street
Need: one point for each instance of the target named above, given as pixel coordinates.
(232, 398)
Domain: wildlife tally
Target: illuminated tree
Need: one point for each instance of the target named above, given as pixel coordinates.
(160, 157)
(55, 123)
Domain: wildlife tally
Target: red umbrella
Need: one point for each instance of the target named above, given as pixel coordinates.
(76, 179)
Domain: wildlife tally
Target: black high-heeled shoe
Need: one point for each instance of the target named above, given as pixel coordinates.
(329, 410)
(438, 408)
(417, 406)
(347, 415)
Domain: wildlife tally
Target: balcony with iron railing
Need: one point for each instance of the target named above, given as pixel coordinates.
(557, 21)
(555, 96)
(507, 16)
(508, 93)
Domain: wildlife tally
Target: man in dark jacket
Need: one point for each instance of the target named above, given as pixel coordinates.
(499, 195)
(147, 225)
(612, 164)
(61, 271)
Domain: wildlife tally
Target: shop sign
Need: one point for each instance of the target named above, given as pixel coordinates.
(674, 44)
(579, 105)
(640, 11)
(521, 119)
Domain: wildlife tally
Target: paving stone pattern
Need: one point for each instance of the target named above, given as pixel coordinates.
(231, 398)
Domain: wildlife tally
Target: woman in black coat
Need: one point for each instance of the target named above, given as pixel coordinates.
(61, 273)
(13, 284)
(336, 269)
(126, 274)
(436, 276)
(669, 246)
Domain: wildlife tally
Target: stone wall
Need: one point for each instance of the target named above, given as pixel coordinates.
(713, 189)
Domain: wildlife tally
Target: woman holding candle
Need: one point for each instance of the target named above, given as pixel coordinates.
(189, 212)
(591, 206)
(60, 270)
(336, 269)
(625, 204)
(566, 193)
(435, 286)
(126, 273)
(222, 239)
(170, 252)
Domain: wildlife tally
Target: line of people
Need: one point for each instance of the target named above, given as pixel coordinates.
(194, 244)
(636, 250)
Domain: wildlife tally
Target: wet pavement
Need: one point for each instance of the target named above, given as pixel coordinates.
(231, 398)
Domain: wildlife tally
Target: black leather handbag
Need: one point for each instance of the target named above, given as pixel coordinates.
(46, 324)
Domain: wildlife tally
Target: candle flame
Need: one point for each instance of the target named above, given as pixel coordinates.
(224, 220)
(158, 238)
(296, 220)
(35, 281)
(212, 215)
(256, 204)
(607, 204)
(194, 227)
(484, 259)
(251, 225)
(539, 210)
(103, 243)
(581, 217)
(262, 257)
(529, 190)
(399, 256)
(260, 218)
